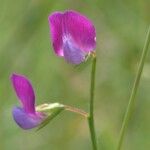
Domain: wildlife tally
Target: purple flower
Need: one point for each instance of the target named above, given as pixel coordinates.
(26, 116)
(73, 35)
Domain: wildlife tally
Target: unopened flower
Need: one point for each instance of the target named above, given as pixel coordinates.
(73, 35)
(26, 116)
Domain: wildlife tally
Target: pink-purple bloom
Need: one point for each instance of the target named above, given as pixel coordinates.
(73, 35)
(26, 116)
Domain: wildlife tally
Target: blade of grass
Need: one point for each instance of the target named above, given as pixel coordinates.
(134, 91)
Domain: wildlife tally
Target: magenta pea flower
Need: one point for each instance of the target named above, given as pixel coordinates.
(73, 35)
(26, 116)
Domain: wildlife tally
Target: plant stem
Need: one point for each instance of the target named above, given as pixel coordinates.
(76, 110)
(91, 113)
(134, 91)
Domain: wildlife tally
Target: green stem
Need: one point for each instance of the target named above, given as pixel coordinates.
(91, 113)
(134, 91)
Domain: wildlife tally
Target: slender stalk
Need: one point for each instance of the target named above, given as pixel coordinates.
(134, 91)
(91, 113)
(76, 110)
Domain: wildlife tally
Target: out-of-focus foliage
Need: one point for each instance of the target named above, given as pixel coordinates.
(25, 48)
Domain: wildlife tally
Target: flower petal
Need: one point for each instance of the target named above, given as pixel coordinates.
(24, 92)
(55, 22)
(80, 29)
(25, 120)
(72, 54)
(74, 26)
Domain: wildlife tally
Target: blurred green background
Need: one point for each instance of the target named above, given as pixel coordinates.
(25, 48)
